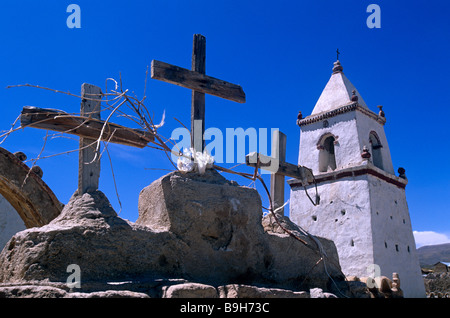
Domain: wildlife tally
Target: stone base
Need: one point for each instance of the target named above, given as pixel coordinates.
(202, 229)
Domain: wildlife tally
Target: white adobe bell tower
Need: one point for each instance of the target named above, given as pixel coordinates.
(362, 205)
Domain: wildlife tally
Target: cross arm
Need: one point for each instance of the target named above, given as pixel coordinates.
(86, 127)
(279, 167)
(196, 81)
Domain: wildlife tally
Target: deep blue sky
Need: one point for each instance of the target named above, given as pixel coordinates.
(280, 52)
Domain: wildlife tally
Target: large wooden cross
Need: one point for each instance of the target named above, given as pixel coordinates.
(88, 127)
(279, 168)
(200, 84)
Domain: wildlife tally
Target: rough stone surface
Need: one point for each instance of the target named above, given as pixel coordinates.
(222, 225)
(202, 229)
(31, 291)
(36, 291)
(319, 293)
(107, 294)
(246, 291)
(190, 290)
(183, 290)
(438, 283)
(90, 234)
(179, 289)
(219, 222)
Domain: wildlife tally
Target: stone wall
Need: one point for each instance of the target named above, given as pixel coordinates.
(199, 229)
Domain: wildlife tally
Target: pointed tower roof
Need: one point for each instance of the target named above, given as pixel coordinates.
(338, 92)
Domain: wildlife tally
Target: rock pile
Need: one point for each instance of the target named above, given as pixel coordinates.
(198, 233)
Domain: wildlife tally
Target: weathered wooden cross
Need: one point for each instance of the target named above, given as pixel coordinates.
(279, 169)
(200, 84)
(88, 127)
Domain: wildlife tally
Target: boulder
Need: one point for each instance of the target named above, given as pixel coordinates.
(89, 233)
(246, 291)
(222, 224)
(42, 291)
(189, 290)
(219, 222)
(319, 293)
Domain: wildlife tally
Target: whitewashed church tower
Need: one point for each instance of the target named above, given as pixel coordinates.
(362, 206)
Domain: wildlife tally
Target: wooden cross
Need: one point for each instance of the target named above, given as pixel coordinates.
(88, 127)
(200, 84)
(279, 169)
(88, 168)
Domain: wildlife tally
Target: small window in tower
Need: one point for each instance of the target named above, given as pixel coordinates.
(327, 159)
(376, 150)
(396, 247)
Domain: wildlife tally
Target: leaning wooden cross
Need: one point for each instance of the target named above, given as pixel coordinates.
(279, 168)
(88, 127)
(200, 84)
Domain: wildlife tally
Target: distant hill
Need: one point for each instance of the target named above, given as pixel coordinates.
(431, 254)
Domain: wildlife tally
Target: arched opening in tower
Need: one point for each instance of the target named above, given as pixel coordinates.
(327, 159)
(376, 150)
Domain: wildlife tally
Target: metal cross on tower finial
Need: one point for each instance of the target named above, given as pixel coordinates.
(337, 54)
